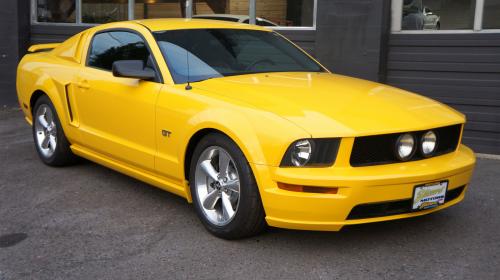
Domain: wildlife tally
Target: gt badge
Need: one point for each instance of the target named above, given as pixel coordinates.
(165, 133)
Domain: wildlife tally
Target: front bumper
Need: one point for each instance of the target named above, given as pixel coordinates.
(356, 186)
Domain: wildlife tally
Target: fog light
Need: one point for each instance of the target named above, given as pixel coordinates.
(429, 143)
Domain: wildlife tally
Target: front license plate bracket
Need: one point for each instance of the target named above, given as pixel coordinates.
(430, 195)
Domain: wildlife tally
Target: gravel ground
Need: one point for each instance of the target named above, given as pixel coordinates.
(89, 222)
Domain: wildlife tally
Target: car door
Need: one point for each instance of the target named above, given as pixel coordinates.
(117, 115)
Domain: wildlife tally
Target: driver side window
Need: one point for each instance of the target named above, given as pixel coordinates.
(111, 46)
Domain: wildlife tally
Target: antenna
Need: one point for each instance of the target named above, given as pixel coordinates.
(188, 86)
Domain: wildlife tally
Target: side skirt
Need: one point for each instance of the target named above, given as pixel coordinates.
(126, 169)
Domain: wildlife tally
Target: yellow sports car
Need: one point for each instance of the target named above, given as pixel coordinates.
(244, 124)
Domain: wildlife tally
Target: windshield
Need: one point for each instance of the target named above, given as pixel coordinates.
(200, 54)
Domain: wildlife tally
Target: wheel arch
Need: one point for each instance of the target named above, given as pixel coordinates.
(252, 154)
(191, 146)
(250, 149)
(250, 132)
(34, 97)
(54, 91)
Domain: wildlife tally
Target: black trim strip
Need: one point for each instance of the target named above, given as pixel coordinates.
(381, 149)
(70, 111)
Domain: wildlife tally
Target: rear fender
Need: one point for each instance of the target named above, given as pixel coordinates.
(54, 91)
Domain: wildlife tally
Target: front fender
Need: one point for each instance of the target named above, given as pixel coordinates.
(262, 136)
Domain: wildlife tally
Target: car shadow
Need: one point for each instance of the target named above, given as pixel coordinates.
(415, 228)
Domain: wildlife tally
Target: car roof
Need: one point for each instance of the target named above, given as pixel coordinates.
(178, 23)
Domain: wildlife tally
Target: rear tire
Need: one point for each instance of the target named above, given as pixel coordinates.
(224, 190)
(50, 142)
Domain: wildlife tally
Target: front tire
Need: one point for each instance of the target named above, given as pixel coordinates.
(50, 142)
(225, 194)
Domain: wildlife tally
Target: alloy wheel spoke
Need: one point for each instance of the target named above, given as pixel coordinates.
(233, 185)
(45, 142)
(217, 185)
(211, 199)
(223, 163)
(43, 121)
(52, 126)
(207, 167)
(52, 141)
(48, 117)
(227, 207)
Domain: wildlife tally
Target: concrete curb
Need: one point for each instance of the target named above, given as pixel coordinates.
(488, 156)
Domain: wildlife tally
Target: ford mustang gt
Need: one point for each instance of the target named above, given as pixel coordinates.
(242, 123)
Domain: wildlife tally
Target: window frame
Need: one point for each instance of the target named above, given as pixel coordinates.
(159, 77)
(188, 12)
(397, 17)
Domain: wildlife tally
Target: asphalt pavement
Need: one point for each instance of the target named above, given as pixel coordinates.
(89, 222)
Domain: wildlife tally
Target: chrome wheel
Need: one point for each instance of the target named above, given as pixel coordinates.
(217, 185)
(46, 130)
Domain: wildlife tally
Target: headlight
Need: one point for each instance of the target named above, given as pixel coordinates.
(301, 153)
(429, 143)
(405, 146)
(311, 152)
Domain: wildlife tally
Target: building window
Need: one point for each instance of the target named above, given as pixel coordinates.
(270, 13)
(438, 14)
(227, 10)
(159, 9)
(445, 15)
(285, 12)
(102, 11)
(491, 16)
(62, 11)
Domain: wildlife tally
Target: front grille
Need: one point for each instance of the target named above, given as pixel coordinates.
(380, 149)
(373, 210)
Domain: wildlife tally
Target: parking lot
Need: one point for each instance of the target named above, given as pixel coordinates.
(89, 222)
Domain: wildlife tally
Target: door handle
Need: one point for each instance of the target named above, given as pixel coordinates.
(83, 84)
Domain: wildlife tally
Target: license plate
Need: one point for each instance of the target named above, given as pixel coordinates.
(429, 195)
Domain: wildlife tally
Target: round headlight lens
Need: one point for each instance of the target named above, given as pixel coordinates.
(405, 146)
(302, 152)
(429, 143)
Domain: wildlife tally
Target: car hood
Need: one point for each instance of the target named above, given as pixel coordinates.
(330, 105)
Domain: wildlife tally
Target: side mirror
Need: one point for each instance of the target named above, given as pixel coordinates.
(133, 69)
